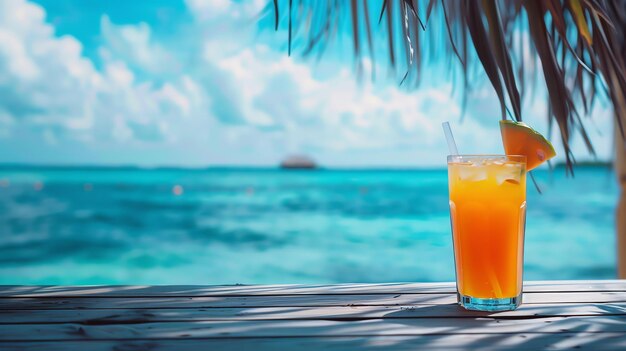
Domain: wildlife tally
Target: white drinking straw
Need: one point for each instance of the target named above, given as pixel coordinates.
(450, 138)
(491, 274)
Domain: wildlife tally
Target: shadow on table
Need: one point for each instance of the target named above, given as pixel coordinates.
(403, 330)
(488, 330)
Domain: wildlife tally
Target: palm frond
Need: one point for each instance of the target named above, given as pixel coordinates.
(576, 42)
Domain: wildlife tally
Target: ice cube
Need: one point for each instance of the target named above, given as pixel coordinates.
(473, 173)
(510, 173)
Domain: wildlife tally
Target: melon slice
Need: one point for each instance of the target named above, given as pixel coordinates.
(520, 139)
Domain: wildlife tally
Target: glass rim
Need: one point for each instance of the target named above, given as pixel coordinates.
(474, 156)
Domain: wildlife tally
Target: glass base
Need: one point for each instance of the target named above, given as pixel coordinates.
(490, 305)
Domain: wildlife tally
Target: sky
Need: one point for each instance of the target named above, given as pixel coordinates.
(209, 83)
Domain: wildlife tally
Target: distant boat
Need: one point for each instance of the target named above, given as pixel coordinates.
(298, 162)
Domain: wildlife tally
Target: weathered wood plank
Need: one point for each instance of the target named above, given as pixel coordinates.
(286, 301)
(229, 301)
(243, 290)
(307, 328)
(108, 316)
(523, 341)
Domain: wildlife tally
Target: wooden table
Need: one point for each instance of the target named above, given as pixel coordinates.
(587, 315)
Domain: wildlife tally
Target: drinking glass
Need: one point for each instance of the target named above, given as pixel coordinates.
(488, 216)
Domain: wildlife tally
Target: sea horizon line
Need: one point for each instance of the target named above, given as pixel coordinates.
(218, 167)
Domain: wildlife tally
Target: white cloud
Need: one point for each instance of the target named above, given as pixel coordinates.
(338, 114)
(205, 10)
(51, 86)
(119, 74)
(173, 97)
(18, 62)
(135, 44)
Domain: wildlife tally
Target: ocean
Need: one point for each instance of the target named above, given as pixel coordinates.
(257, 226)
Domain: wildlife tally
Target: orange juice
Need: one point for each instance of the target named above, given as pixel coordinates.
(487, 212)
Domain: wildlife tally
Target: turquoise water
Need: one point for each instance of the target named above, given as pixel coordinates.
(128, 226)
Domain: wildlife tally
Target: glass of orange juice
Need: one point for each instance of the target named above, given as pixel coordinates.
(488, 215)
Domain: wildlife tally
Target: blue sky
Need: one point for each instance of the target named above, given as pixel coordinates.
(202, 83)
